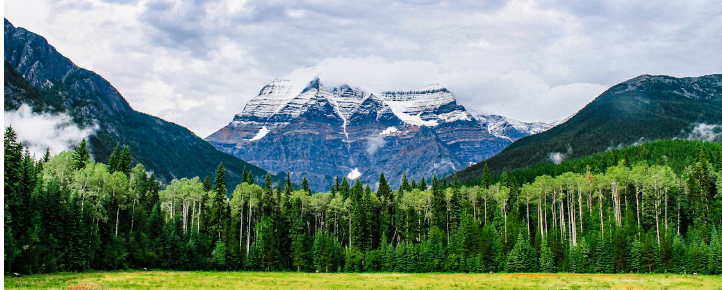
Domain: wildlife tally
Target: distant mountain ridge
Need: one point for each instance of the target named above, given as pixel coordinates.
(642, 109)
(310, 130)
(37, 75)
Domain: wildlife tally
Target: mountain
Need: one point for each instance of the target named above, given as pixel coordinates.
(37, 75)
(319, 133)
(511, 129)
(639, 110)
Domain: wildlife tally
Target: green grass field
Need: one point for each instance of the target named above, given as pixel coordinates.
(259, 280)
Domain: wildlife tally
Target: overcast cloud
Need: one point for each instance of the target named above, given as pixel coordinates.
(197, 63)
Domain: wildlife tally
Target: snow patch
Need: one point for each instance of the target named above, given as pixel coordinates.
(411, 119)
(353, 174)
(388, 131)
(454, 116)
(261, 133)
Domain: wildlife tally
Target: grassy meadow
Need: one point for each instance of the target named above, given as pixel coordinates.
(288, 280)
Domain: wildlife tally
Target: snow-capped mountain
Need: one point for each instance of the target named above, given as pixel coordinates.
(504, 127)
(318, 132)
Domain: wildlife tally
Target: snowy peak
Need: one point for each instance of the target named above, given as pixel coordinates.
(282, 100)
(511, 129)
(269, 100)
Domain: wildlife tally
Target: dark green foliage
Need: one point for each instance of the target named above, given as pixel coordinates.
(58, 218)
(81, 156)
(648, 107)
(546, 258)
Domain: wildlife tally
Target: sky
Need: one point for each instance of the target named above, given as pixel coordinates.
(197, 63)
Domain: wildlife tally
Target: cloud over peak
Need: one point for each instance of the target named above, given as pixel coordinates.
(206, 58)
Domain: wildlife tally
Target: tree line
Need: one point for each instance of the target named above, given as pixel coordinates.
(69, 213)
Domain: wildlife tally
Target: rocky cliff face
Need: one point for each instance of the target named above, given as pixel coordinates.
(320, 133)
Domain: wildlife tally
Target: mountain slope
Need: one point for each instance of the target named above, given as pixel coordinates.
(36, 74)
(319, 133)
(642, 109)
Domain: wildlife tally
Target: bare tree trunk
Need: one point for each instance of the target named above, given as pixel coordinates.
(132, 217)
(117, 220)
(539, 218)
(240, 231)
(581, 210)
(665, 212)
(601, 212)
(636, 196)
(248, 234)
(485, 222)
(528, 227)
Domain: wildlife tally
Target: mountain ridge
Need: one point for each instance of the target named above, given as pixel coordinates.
(165, 148)
(356, 131)
(641, 109)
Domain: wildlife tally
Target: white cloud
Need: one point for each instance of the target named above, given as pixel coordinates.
(559, 157)
(706, 132)
(196, 63)
(374, 143)
(40, 132)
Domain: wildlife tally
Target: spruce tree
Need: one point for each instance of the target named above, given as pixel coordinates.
(438, 204)
(218, 215)
(306, 186)
(207, 184)
(486, 179)
(546, 258)
(114, 160)
(81, 155)
(635, 256)
(344, 188)
(46, 156)
(125, 161)
(405, 187)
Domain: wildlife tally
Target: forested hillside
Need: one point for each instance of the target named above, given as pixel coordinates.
(38, 75)
(67, 213)
(642, 109)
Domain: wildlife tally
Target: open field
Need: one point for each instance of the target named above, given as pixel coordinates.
(261, 280)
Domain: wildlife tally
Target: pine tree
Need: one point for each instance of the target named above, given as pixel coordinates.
(14, 197)
(244, 175)
(125, 161)
(517, 259)
(405, 187)
(344, 188)
(605, 257)
(546, 258)
(81, 155)
(114, 160)
(46, 156)
(305, 186)
(486, 179)
(207, 184)
(219, 255)
(635, 256)
(219, 211)
(358, 217)
(438, 204)
(387, 207)
(715, 253)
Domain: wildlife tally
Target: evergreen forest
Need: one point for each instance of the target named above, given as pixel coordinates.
(652, 208)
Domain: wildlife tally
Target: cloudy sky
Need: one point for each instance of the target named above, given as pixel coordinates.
(196, 63)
